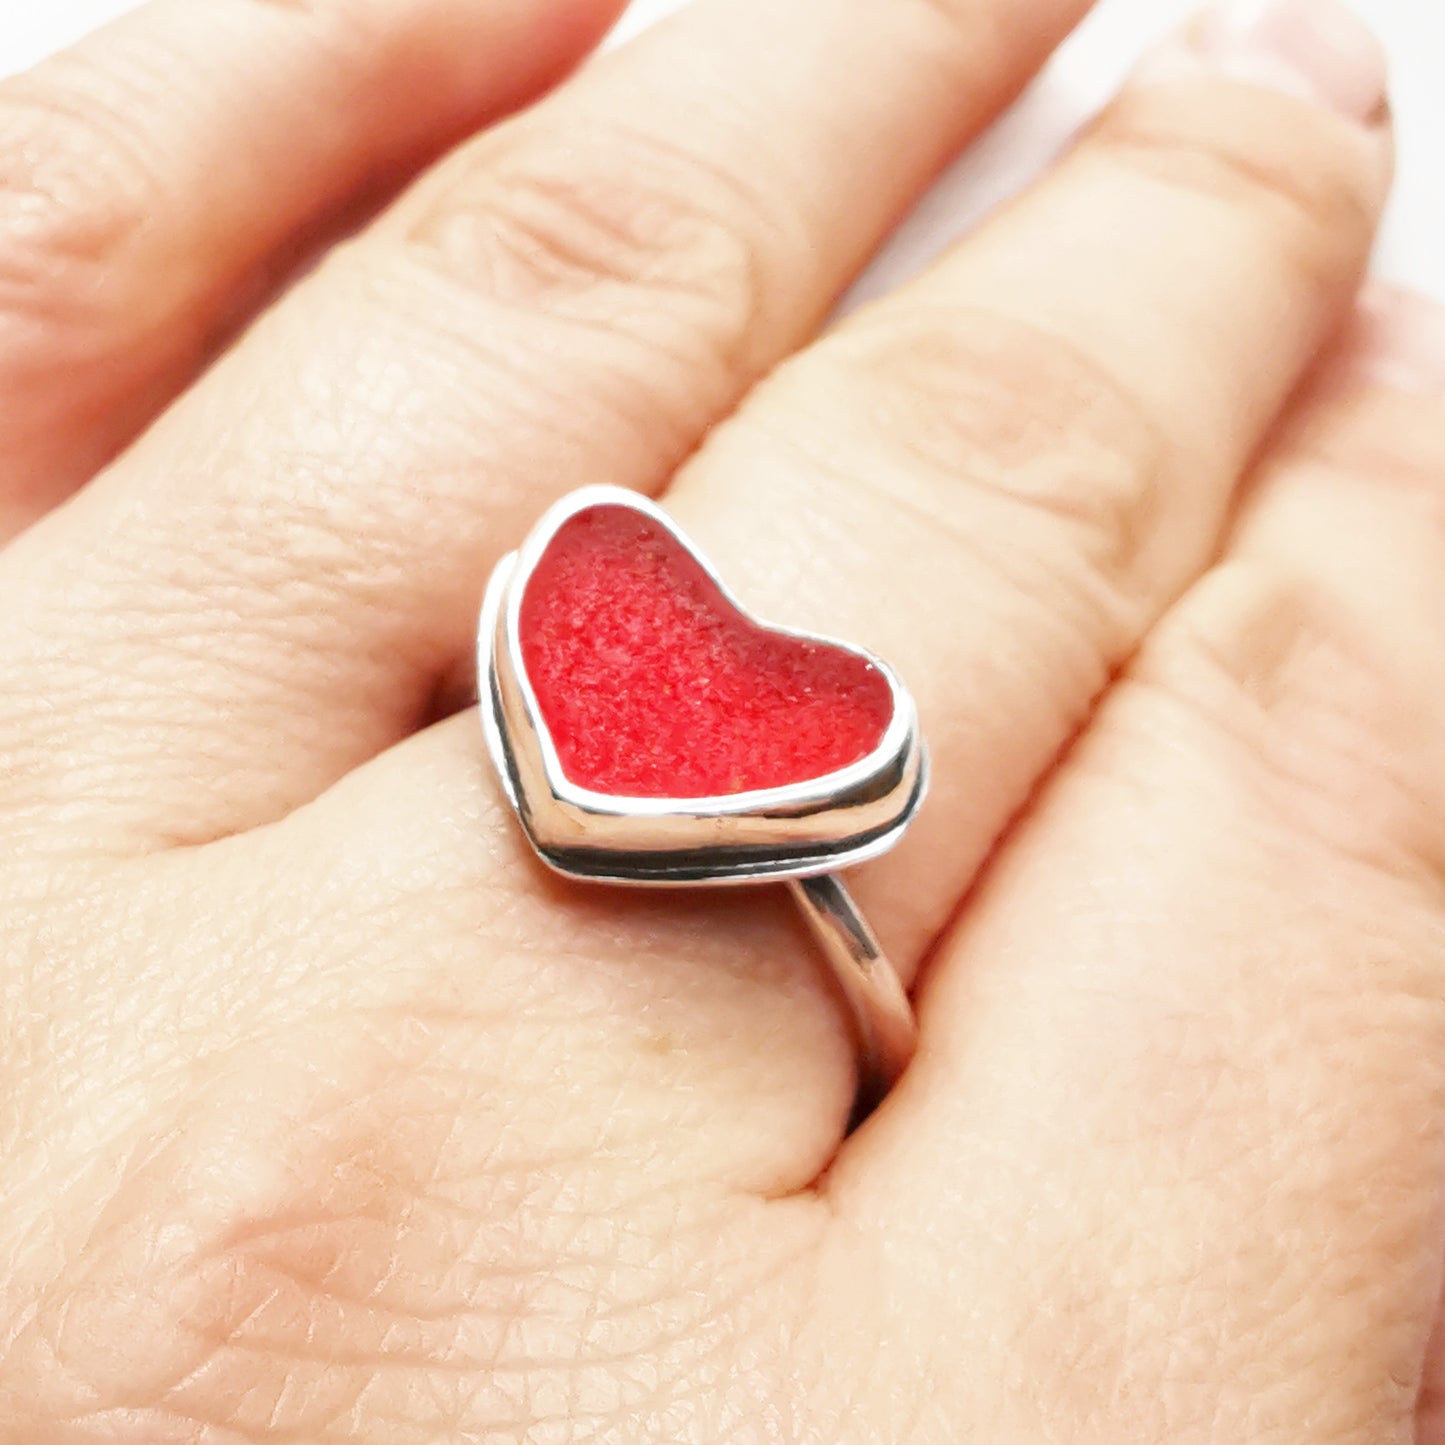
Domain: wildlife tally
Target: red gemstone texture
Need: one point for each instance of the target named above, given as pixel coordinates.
(653, 685)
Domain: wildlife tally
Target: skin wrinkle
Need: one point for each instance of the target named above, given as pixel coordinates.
(1309, 200)
(40, 209)
(1299, 792)
(645, 221)
(529, 1366)
(485, 336)
(1379, 433)
(988, 400)
(1010, 569)
(1295, 661)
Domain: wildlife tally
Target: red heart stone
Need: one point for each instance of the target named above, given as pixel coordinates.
(653, 685)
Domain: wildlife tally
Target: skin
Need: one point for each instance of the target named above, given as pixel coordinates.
(328, 1116)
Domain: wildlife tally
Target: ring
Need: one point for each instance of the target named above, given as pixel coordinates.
(648, 730)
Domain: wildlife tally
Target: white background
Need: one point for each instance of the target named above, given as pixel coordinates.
(1413, 249)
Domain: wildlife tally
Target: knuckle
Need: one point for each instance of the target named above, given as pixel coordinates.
(1379, 426)
(1016, 418)
(1262, 155)
(580, 228)
(75, 188)
(1277, 665)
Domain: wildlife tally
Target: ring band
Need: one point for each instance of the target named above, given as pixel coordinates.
(886, 1031)
(647, 730)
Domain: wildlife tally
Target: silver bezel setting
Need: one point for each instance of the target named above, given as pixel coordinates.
(799, 831)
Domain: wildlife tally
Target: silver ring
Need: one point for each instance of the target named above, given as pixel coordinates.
(648, 730)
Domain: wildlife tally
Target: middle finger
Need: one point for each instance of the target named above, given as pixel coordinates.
(999, 478)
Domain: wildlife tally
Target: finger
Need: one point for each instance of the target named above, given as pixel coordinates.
(1205, 984)
(577, 296)
(998, 478)
(997, 486)
(152, 173)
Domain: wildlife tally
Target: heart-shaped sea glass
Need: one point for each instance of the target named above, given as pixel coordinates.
(649, 729)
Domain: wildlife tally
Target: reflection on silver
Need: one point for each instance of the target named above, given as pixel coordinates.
(800, 833)
(887, 1034)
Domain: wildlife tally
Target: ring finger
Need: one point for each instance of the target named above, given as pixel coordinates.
(574, 297)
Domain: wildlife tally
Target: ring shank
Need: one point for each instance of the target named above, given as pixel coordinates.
(886, 1029)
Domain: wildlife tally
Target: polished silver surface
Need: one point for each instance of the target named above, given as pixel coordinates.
(801, 834)
(887, 1032)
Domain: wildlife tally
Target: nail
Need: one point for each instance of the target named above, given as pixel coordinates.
(1315, 50)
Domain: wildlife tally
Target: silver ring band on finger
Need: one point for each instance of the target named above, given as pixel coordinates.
(649, 731)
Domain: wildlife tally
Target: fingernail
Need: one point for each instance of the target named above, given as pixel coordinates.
(1316, 50)
(1398, 340)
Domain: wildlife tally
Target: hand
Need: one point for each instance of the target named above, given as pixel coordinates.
(329, 1116)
